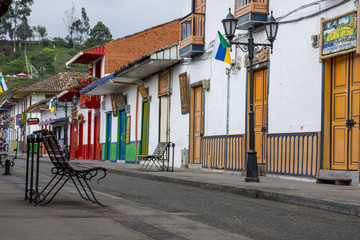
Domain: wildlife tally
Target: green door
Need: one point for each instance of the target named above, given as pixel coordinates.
(108, 136)
(121, 134)
(145, 128)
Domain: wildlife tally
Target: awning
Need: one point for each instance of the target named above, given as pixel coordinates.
(87, 56)
(140, 69)
(54, 122)
(98, 83)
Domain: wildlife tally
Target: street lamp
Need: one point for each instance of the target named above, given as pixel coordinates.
(74, 103)
(271, 28)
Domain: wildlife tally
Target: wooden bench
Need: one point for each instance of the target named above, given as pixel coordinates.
(63, 172)
(158, 158)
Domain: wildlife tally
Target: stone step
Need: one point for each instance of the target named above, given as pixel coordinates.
(333, 180)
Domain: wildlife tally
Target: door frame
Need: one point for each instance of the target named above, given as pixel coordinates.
(97, 154)
(168, 118)
(118, 145)
(257, 67)
(108, 135)
(326, 114)
(146, 133)
(89, 135)
(191, 127)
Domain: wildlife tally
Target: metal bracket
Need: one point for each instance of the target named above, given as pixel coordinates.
(350, 123)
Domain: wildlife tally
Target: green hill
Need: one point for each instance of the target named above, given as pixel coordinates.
(46, 56)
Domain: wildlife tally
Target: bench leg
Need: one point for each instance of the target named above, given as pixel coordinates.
(41, 201)
(90, 196)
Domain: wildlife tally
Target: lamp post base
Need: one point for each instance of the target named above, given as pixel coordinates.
(251, 170)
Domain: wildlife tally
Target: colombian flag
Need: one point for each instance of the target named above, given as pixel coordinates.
(3, 86)
(221, 50)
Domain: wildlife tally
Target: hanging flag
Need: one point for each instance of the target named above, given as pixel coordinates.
(3, 86)
(51, 106)
(221, 50)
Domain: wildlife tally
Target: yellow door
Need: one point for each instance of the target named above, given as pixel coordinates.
(260, 109)
(345, 113)
(196, 124)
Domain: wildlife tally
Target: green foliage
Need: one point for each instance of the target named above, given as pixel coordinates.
(24, 31)
(81, 28)
(18, 13)
(17, 66)
(59, 42)
(99, 34)
(3, 58)
(44, 62)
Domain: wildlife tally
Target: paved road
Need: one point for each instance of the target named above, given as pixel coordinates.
(253, 218)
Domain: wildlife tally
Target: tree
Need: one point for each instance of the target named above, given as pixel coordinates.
(69, 19)
(18, 12)
(99, 34)
(41, 30)
(44, 62)
(81, 28)
(24, 32)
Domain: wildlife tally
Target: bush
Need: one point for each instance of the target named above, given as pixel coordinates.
(60, 42)
(3, 58)
(17, 66)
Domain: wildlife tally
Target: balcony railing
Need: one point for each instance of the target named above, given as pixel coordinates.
(243, 7)
(89, 101)
(192, 30)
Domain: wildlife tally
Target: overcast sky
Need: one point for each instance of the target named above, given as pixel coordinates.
(122, 17)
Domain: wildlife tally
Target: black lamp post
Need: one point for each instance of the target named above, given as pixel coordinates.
(271, 27)
(74, 102)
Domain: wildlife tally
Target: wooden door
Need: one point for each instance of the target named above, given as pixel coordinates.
(108, 136)
(260, 109)
(89, 149)
(196, 124)
(200, 6)
(121, 134)
(97, 145)
(345, 113)
(73, 139)
(79, 152)
(164, 118)
(145, 128)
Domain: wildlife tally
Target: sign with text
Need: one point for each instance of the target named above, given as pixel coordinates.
(33, 121)
(339, 35)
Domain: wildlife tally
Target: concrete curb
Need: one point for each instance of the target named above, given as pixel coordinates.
(329, 205)
(324, 204)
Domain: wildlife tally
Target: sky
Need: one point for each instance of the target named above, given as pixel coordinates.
(122, 17)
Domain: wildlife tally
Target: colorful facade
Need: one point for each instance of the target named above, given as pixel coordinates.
(306, 97)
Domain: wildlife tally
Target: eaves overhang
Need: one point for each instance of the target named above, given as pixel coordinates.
(139, 69)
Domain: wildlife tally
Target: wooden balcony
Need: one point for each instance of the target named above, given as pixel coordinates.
(250, 12)
(89, 101)
(192, 35)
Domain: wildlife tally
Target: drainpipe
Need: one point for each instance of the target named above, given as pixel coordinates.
(228, 100)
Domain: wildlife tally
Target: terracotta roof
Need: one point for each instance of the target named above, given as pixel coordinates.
(57, 83)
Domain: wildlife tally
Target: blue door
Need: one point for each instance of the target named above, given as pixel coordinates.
(121, 135)
(108, 136)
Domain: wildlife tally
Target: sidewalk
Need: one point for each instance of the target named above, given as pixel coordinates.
(337, 198)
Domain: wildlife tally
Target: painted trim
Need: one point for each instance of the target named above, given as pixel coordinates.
(322, 115)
